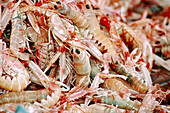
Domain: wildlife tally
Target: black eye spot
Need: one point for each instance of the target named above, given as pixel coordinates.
(58, 2)
(46, 18)
(144, 81)
(55, 6)
(2, 9)
(167, 23)
(71, 57)
(87, 6)
(149, 16)
(102, 68)
(72, 51)
(77, 51)
(91, 102)
(157, 42)
(146, 91)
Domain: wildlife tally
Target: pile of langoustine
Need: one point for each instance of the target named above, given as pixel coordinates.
(83, 55)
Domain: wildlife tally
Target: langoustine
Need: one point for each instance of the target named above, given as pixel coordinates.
(82, 66)
(41, 96)
(116, 85)
(84, 24)
(115, 99)
(23, 96)
(14, 76)
(18, 38)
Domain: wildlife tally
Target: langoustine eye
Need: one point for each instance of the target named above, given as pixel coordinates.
(77, 51)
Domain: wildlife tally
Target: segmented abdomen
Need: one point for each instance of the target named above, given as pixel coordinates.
(23, 96)
(44, 54)
(121, 103)
(116, 85)
(71, 12)
(138, 84)
(99, 37)
(15, 77)
(129, 36)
